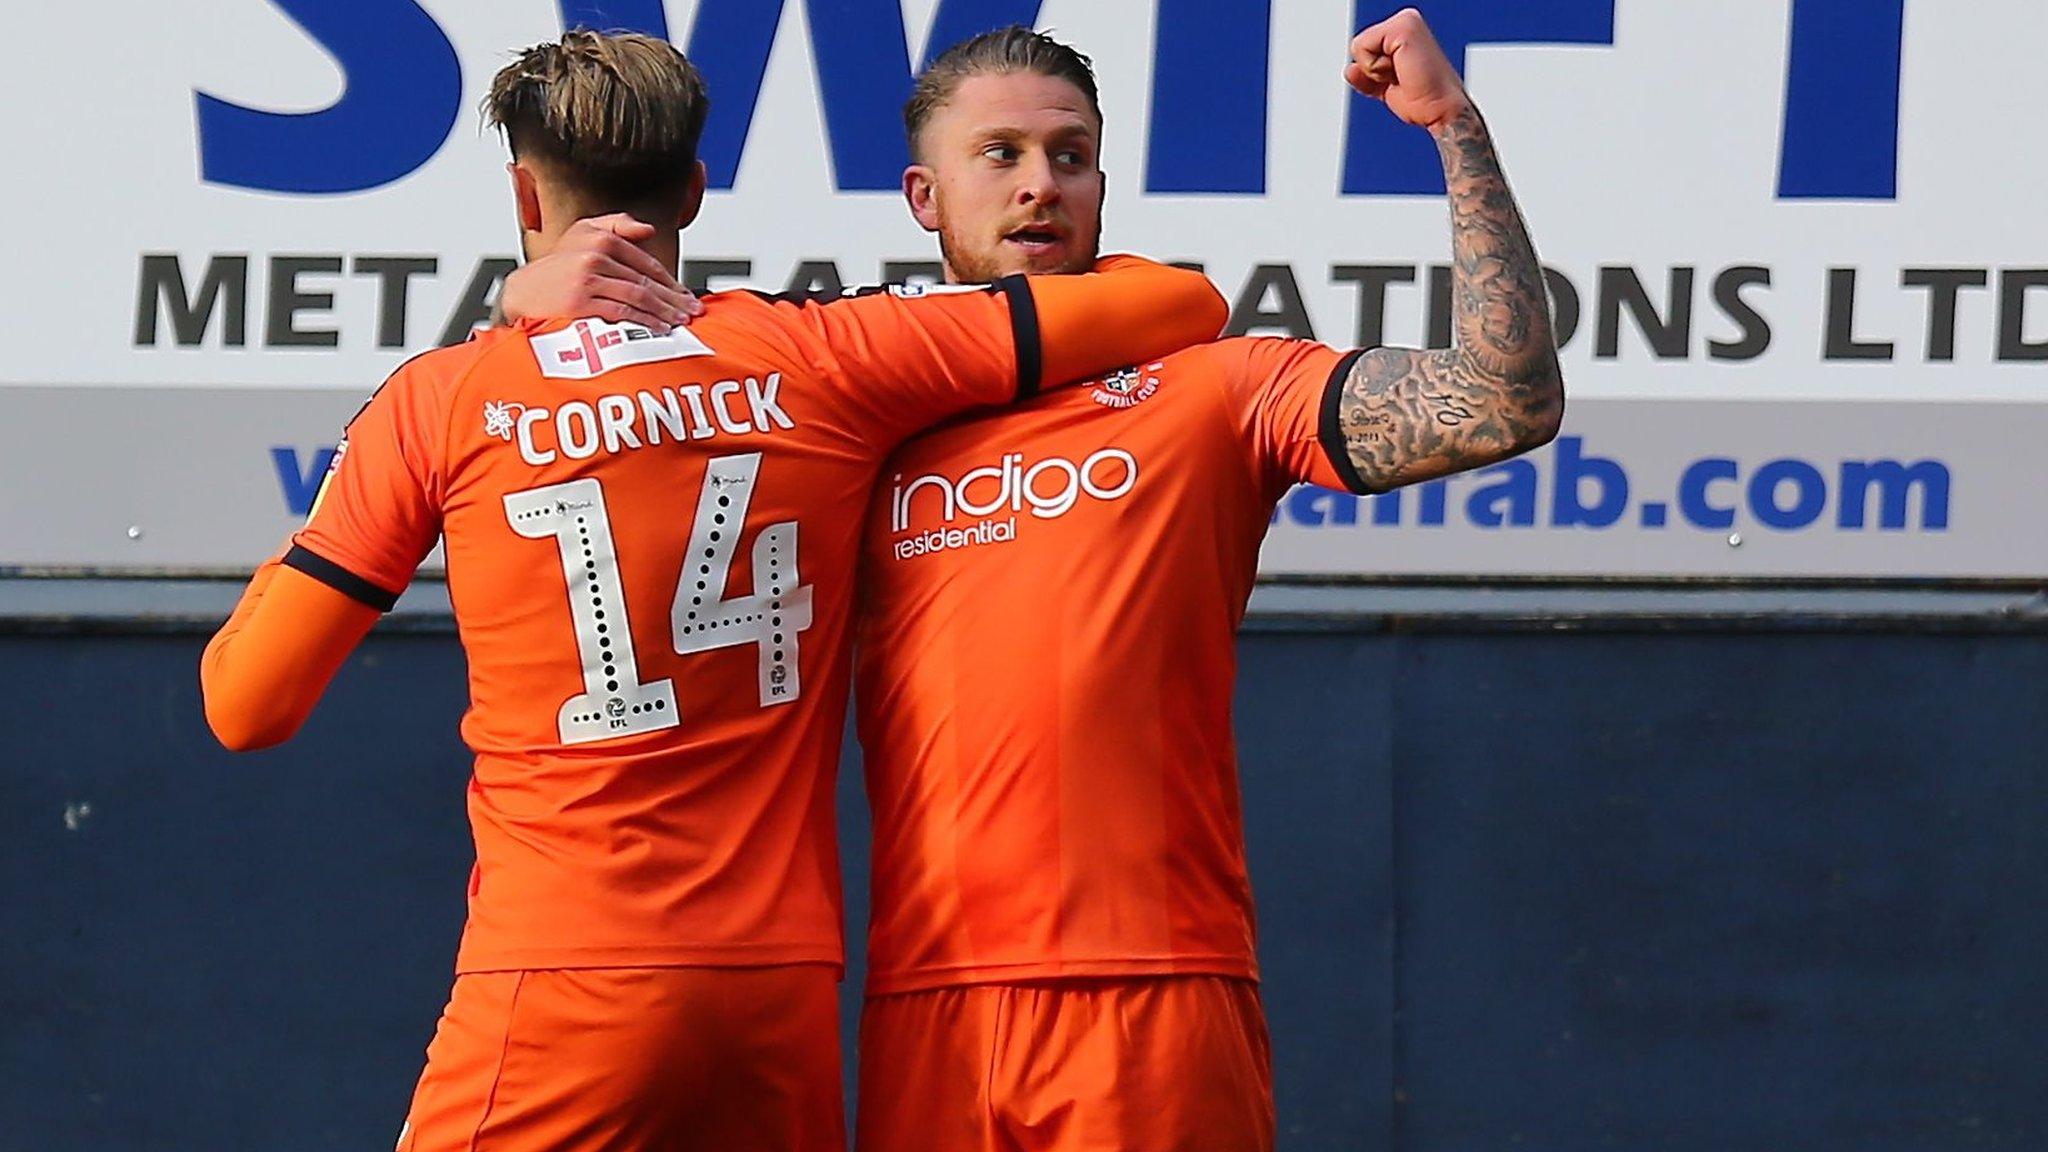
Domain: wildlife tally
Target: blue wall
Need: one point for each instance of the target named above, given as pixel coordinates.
(1603, 889)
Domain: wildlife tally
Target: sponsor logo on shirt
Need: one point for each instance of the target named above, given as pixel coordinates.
(994, 496)
(593, 347)
(500, 417)
(1126, 387)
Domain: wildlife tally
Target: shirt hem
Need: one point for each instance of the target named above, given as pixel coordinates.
(703, 956)
(926, 979)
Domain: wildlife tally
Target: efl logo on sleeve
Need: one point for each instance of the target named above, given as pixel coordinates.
(590, 348)
(327, 481)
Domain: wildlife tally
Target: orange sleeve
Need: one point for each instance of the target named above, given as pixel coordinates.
(913, 356)
(1126, 311)
(1285, 393)
(267, 666)
(376, 517)
(378, 512)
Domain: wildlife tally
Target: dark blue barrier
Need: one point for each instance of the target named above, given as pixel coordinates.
(1704, 889)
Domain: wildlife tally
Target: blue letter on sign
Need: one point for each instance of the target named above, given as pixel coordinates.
(403, 89)
(1209, 73)
(616, 16)
(300, 483)
(1842, 101)
(864, 75)
(1383, 156)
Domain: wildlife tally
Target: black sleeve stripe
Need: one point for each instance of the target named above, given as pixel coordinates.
(1024, 329)
(1331, 433)
(338, 578)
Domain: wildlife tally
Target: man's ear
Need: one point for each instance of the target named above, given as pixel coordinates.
(921, 192)
(693, 196)
(525, 193)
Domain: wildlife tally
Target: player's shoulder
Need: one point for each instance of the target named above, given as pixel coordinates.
(1256, 360)
(751, 326)
(482, 344)
(425, 379)
(1269, 347)
(736, 315)
(743, 303)
(1232, 359)
(441, 369)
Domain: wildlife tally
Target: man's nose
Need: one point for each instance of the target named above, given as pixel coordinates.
(1036, 182)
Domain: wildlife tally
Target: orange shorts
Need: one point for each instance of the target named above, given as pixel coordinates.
(668, 1059)
(1148, 1064)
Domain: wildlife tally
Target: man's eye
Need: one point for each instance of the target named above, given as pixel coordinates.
(1002, 152)
(1072, 157)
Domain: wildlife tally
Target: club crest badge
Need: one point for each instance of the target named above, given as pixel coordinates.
(1127, 387)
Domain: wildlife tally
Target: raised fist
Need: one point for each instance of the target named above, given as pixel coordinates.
(1399, 61)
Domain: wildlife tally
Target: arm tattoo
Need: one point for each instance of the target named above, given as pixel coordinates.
(1406, 415)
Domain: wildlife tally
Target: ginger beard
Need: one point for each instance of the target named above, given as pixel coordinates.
(978, 250)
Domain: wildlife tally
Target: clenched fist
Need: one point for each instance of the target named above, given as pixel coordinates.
(1399, 61)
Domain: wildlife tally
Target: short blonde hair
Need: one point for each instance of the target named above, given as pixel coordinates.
(616, 114)
(1001, 52)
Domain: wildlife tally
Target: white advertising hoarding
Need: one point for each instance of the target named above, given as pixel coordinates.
(1796, 248)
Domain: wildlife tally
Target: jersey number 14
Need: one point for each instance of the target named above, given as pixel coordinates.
(614, 700)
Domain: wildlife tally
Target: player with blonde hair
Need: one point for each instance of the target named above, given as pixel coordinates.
(1061, 941)
(651, 541)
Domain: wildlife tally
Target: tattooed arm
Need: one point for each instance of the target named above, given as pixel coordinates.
(1407, 416)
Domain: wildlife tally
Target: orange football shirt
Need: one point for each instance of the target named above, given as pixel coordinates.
(651, 542)
(1046, 656)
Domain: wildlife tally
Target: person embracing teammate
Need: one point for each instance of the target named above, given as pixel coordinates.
(651, 542)
(1061, 942)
